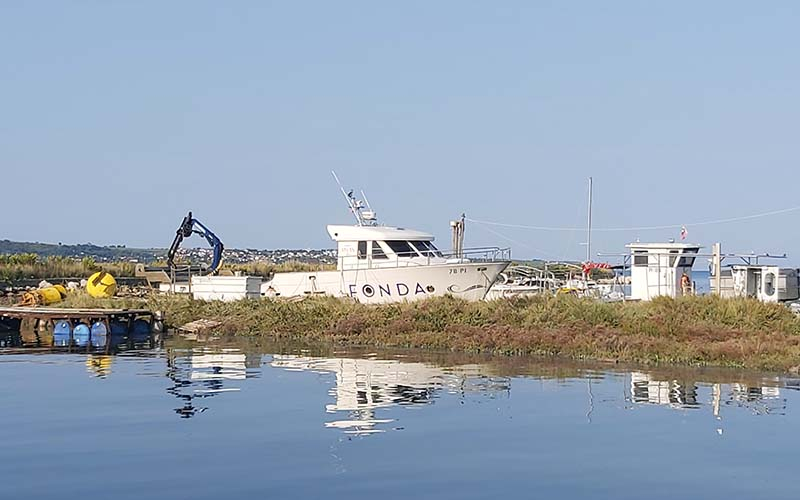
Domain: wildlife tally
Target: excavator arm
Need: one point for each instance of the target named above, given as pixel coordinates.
(190, 226)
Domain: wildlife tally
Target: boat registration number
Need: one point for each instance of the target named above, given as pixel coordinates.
(458, 270)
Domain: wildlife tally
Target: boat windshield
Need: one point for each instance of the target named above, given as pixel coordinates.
(426, 248)
(402, 248)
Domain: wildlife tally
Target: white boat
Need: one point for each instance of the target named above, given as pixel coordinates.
(382, 264)
(524, 281)
(378, 264)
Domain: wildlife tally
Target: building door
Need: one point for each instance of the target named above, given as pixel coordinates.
(768, 289)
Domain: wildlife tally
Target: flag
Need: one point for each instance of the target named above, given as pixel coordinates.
(684, 232)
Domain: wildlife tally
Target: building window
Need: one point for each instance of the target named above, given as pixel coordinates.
(362, 249)
(673, 256)
(639, 257)
(769, 284)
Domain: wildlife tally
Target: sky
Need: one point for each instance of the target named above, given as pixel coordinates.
(117, 118)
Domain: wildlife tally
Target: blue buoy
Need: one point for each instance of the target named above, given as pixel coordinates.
(61, 333)
(99, 336)
(81, 334)
(119, 332)
(119, 328)
(140, 331)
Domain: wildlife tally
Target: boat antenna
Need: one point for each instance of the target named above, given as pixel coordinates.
(363, 217)
(364, 195)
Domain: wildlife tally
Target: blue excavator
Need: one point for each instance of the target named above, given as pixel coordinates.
(191, 226)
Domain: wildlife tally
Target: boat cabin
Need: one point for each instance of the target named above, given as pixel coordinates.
(658, 268)
(369, 247)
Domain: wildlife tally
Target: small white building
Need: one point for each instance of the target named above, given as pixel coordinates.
(227, 288)
(762, 282)
(658, 268)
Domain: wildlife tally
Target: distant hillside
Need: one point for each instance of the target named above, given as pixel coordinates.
(146, 255)
(101, 254)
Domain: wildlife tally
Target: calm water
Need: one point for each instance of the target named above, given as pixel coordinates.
(228, 421)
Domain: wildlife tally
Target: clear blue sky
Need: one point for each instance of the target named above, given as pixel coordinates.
(118, 117)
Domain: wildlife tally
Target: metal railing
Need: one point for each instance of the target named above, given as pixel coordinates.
(480, 254)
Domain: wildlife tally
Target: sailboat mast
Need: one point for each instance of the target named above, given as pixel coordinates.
(589, 226)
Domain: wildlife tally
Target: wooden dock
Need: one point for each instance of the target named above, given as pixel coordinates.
(34, 326)
(65, 313)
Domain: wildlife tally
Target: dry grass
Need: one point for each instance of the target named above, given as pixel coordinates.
(691, 330)
(16, 267)
(30, 266)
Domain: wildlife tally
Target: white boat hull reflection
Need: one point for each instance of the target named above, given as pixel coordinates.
(366, 385)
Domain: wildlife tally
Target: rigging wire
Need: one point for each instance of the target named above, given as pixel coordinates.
(639, 228)
(516, 242)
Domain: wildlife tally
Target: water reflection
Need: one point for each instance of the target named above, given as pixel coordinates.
(99, 365)
(367, 389)
(672, 393)
(760, 397)
(365, 385)
(204, 372)
(682, 394)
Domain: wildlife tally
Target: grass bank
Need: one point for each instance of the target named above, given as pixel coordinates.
(15, 267)
(689, 331)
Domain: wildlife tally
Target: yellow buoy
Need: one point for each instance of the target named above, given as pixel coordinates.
(101, 285)
(50, 295)
(44, 296)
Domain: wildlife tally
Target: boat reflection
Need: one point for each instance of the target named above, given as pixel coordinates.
(365, 385)
(204, 372)
(367, 388)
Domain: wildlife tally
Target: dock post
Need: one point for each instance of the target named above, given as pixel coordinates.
(107, 323)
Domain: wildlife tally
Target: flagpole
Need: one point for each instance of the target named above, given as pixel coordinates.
(589, 226)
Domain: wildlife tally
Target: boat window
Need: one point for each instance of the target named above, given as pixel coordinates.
(419, 247)
(639, 257)
(427, 249)
(377, 251)
(362, 249)
(402, 248)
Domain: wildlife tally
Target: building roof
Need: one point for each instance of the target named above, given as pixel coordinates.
(380, 233)
(662, 246)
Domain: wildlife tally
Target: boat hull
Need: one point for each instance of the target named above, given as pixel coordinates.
(470, 281)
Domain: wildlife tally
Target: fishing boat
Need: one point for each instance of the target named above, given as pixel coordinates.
(382, 264)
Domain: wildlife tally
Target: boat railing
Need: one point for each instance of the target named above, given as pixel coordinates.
(524, 274)
(480, 254)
